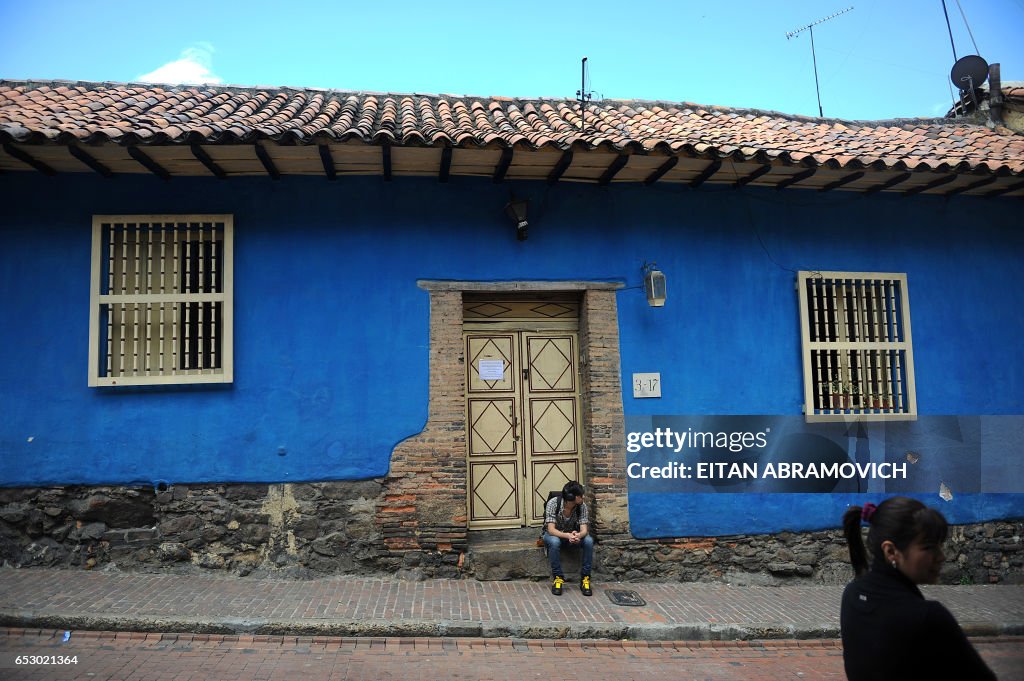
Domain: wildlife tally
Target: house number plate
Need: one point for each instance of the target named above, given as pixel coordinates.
(647, 385)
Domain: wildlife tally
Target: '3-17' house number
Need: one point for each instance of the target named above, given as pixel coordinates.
(647, 385)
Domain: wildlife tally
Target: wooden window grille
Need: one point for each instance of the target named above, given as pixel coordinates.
(161, 300)
(858, 358)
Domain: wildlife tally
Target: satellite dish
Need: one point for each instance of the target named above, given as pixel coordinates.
(969, 72)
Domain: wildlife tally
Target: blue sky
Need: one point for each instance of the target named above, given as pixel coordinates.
(884, 59)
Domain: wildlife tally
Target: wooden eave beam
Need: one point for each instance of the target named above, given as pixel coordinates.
(973, 185)
(892, 182)
(25, 158)
(148, 163)
(268, 163)
(560, 167)
(613, 169)
(798, 177)
(1004, 190)
(501, 169)
(88, 160)
(931, 185)
(852, 177)
(668, 165)
(385, 152)
(210, 164)
(709, 170)
(328, 161)
(446, 164)
(752, 176)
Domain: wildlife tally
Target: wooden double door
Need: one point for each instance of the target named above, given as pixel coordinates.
(522, 422)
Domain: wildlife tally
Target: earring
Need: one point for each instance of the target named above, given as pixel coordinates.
(894, 563)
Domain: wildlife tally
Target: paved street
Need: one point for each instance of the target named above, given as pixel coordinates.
(127, 656)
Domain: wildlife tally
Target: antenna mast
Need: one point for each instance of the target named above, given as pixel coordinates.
(582, 96)
(810, 27)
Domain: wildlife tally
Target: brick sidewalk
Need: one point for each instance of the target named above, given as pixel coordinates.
(110, 656)
(365, 606)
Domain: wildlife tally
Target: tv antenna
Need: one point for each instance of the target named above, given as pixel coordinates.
(582, 96)
(810, 27)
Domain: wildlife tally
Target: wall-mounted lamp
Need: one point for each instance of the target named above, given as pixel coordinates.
(516, 211)
(654, 285)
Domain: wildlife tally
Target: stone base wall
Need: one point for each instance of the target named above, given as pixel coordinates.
(290, 528)
(985, 553)
(302, 530)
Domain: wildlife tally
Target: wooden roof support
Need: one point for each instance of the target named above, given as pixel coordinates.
(705, 174)
(613, 169)
(268, 163)
(766, 168)
(88, 160)
(210, 164)
(25, 158)
(1004, 190)
(973, 185)
(798, 177)
(662, 169)
(853, 177)
(501, 169)
(560, 167)
(328, 161)
(931, 185)
(148, 163)
(446, 164)
(385, 152)
(892, 182)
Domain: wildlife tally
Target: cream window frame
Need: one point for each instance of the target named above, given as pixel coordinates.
(850, 376)
(145, 341)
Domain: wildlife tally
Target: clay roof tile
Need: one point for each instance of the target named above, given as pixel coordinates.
(164, 114)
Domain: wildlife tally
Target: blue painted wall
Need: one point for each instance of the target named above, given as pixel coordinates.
(331, 331)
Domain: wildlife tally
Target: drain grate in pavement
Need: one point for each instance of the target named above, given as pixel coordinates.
(625, 598)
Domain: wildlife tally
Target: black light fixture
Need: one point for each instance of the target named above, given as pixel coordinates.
(516, 211)
(654, 285)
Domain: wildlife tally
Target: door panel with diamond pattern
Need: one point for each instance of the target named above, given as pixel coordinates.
(522, 430)
(552, 406)
(492, 425)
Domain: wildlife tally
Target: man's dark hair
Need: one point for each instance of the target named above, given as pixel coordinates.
(572, 491)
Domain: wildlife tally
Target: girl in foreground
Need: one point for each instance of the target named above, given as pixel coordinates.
(889, 630)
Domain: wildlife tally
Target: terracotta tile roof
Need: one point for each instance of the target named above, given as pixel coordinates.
(142, 114)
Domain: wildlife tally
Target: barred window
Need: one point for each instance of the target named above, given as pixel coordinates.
(161, 310)
(858, 357)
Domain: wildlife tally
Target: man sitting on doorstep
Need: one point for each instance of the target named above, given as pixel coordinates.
(567, 524)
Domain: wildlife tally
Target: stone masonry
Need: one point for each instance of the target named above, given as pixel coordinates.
(300, 530)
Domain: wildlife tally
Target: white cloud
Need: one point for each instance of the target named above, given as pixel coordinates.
(194, 66)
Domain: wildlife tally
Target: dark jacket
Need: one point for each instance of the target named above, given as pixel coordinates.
(891, 632)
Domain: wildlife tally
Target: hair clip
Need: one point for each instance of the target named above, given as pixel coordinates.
(867, 512)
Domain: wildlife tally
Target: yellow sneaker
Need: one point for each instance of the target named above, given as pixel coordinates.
(556, 586)
(585, 585)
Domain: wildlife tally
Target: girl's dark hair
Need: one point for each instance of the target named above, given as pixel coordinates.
(900, 520)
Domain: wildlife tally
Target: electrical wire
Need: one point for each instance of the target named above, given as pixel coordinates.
(968, 27)
(950, 29)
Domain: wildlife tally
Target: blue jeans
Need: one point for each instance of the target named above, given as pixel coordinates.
(555, 544)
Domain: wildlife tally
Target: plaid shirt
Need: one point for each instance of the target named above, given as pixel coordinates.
(553, 514)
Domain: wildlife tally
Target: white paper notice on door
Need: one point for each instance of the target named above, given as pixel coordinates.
(491, 369)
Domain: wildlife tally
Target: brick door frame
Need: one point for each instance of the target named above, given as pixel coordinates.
(423, 505)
